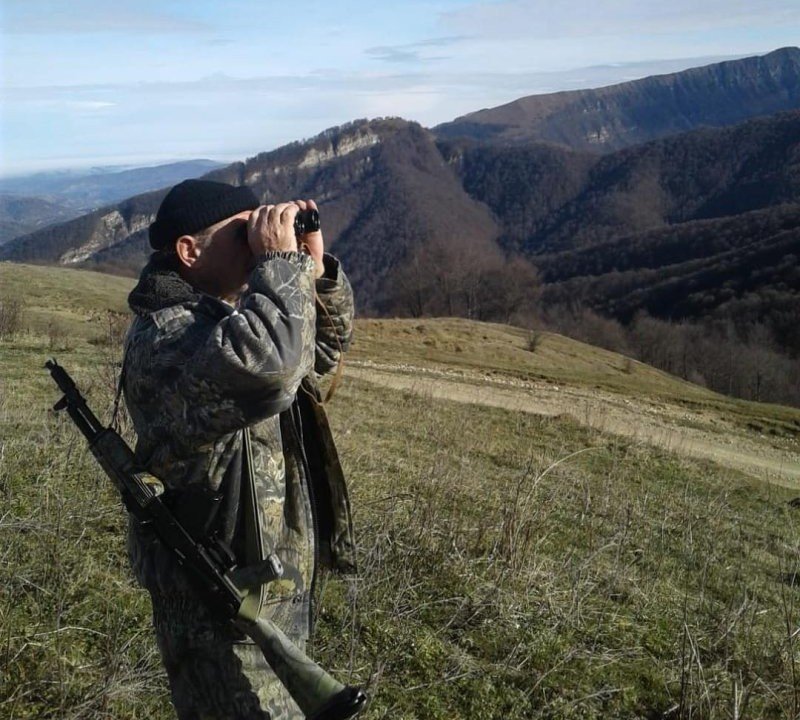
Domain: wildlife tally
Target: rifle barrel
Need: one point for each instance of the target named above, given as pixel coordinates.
(74, 402)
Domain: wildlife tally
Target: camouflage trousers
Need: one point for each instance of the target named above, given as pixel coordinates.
(215, 672)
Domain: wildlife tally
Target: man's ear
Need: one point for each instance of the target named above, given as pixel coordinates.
(187, 249)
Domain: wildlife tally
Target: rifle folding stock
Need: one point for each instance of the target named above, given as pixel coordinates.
(318, 694)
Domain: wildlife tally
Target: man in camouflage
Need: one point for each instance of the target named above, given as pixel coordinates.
(233, 323)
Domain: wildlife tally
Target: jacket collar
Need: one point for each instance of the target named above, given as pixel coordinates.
(160, 286)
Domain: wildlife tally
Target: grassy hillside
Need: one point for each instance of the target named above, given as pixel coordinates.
(512, 565)
(72, 299)
(492, 354)
(79, 299)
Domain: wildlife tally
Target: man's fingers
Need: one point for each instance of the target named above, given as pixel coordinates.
(283, 212)
(257, 216)
(289, 212)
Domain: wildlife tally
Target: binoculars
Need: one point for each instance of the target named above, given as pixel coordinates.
(306, 221)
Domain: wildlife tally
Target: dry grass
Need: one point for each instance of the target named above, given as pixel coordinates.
(487, 352)
(72, 300)
(512, 566)
(521, 567)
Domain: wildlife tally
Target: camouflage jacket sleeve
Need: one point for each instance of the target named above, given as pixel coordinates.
(334, 317)
(215, 370)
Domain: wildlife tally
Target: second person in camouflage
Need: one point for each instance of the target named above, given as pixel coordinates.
(220, 381)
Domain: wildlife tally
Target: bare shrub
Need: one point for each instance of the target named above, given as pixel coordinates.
(114, 329)
(58, 337)
(744, 361)
(11, 317)
(588, 326)
(534, 340)
(108, 369)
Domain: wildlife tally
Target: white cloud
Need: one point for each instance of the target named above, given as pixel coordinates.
(88, 77)
(69, 17)
(580, 18)
(90, 104)
(413, 52)
(409, 92)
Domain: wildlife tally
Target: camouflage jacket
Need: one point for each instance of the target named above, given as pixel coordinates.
(226, 409)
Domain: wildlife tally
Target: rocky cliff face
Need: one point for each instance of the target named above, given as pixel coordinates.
(82, 239)
(614, 117)
(111, 228)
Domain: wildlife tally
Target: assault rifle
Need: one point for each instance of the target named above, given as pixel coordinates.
(319, 695)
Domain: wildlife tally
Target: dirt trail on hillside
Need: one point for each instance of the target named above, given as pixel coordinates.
(694, 433)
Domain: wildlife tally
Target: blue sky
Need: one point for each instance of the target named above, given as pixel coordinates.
(100, 82)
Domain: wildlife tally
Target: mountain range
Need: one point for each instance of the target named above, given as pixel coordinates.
(88, 189)
(700, 219)
(617, 116)
(28, 202)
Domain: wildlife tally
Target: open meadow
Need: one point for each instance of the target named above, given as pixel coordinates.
(538, 536)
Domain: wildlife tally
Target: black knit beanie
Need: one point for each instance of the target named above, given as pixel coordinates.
(194, 205)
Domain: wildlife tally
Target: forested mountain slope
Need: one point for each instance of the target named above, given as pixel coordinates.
(610, 118)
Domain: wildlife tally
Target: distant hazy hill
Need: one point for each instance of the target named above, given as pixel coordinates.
(618, 116)
(86, 190)
(20, 215)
